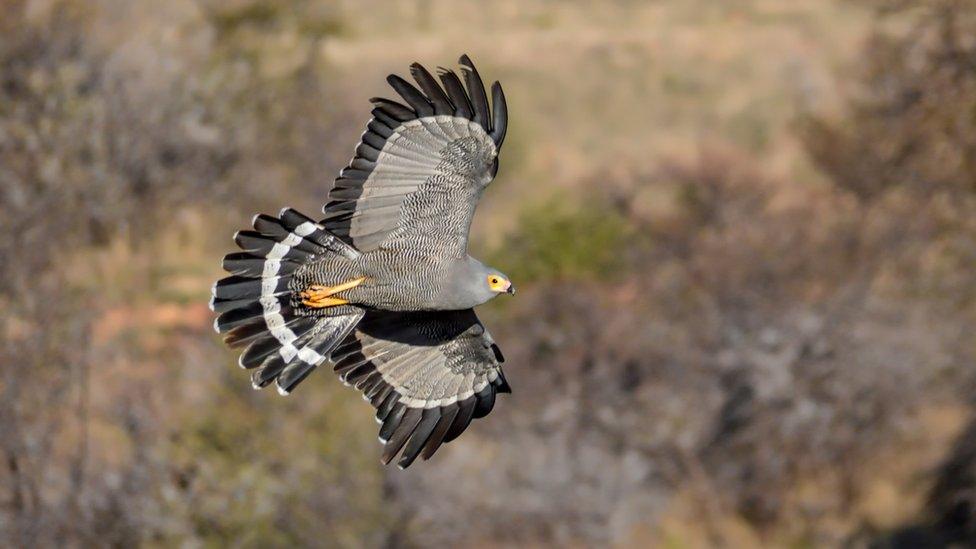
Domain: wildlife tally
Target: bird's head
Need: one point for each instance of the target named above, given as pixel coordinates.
(473, 283)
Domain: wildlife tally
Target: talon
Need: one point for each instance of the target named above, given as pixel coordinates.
(317, 296)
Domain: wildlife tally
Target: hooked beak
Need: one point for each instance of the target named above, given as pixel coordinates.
(510, 289)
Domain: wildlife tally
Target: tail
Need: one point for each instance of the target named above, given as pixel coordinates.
(258, 306)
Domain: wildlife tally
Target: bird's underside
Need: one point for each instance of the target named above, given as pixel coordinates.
(377, 280)
(379, 288)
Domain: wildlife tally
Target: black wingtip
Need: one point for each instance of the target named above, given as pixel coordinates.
(398, 111)
(455, 91)
(441, 102)
(411, 95)
(448, 414)
(486, 402)
(462, 419)
(418, 440)
(501, 384)
(476, 91)
(499, 113)
(468, 100)
(405, 428)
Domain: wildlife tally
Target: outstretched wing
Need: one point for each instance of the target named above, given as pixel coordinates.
(426, 373)
(421, 167)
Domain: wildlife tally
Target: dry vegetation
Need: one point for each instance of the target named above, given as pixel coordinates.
(743, 233)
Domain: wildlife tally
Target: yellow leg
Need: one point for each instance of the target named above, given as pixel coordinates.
(317, 296)
(318, 303)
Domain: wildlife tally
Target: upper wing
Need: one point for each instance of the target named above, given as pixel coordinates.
(421, 168)
(427, 374)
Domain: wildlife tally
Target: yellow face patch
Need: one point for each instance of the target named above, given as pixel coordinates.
(498, 283)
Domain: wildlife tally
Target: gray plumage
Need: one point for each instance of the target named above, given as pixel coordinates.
(441, 360)
(394, 239)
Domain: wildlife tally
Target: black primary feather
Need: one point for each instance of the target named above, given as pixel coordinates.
(367, 151)
(499, 113)
(411, 95)
(476, 91)
(462, 420)
(428, 422)
(486, 401)
(388, 403)
(501, 384)
(448, 413)
(373, 140)
(384, 117)
(405, 428)
(379, 128)
(396, 110)
(379, 393)
(361, 163)
(455, 90)
(392, 421)
(436, 96)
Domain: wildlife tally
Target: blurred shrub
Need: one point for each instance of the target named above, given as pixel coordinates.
(913, 121)
(906, 147)
(231, 18)
(312, 19)
(109, 159)
(86, 159)
(251, 469)
(562, 239)
(953, 497)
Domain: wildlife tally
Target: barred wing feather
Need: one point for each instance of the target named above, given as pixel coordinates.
(421, 166)
(427, 374)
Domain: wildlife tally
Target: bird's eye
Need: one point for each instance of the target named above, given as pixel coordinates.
(493, 280)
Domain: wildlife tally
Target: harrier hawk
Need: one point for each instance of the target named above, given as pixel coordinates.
(382, 287)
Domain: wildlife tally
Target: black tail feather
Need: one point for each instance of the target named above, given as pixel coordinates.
(256, 305)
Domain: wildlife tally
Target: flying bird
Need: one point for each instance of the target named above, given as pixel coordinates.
(382, 287)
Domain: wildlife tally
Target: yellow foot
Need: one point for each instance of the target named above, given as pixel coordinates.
(321, 296)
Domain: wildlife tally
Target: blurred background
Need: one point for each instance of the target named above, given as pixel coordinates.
(743, 232)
